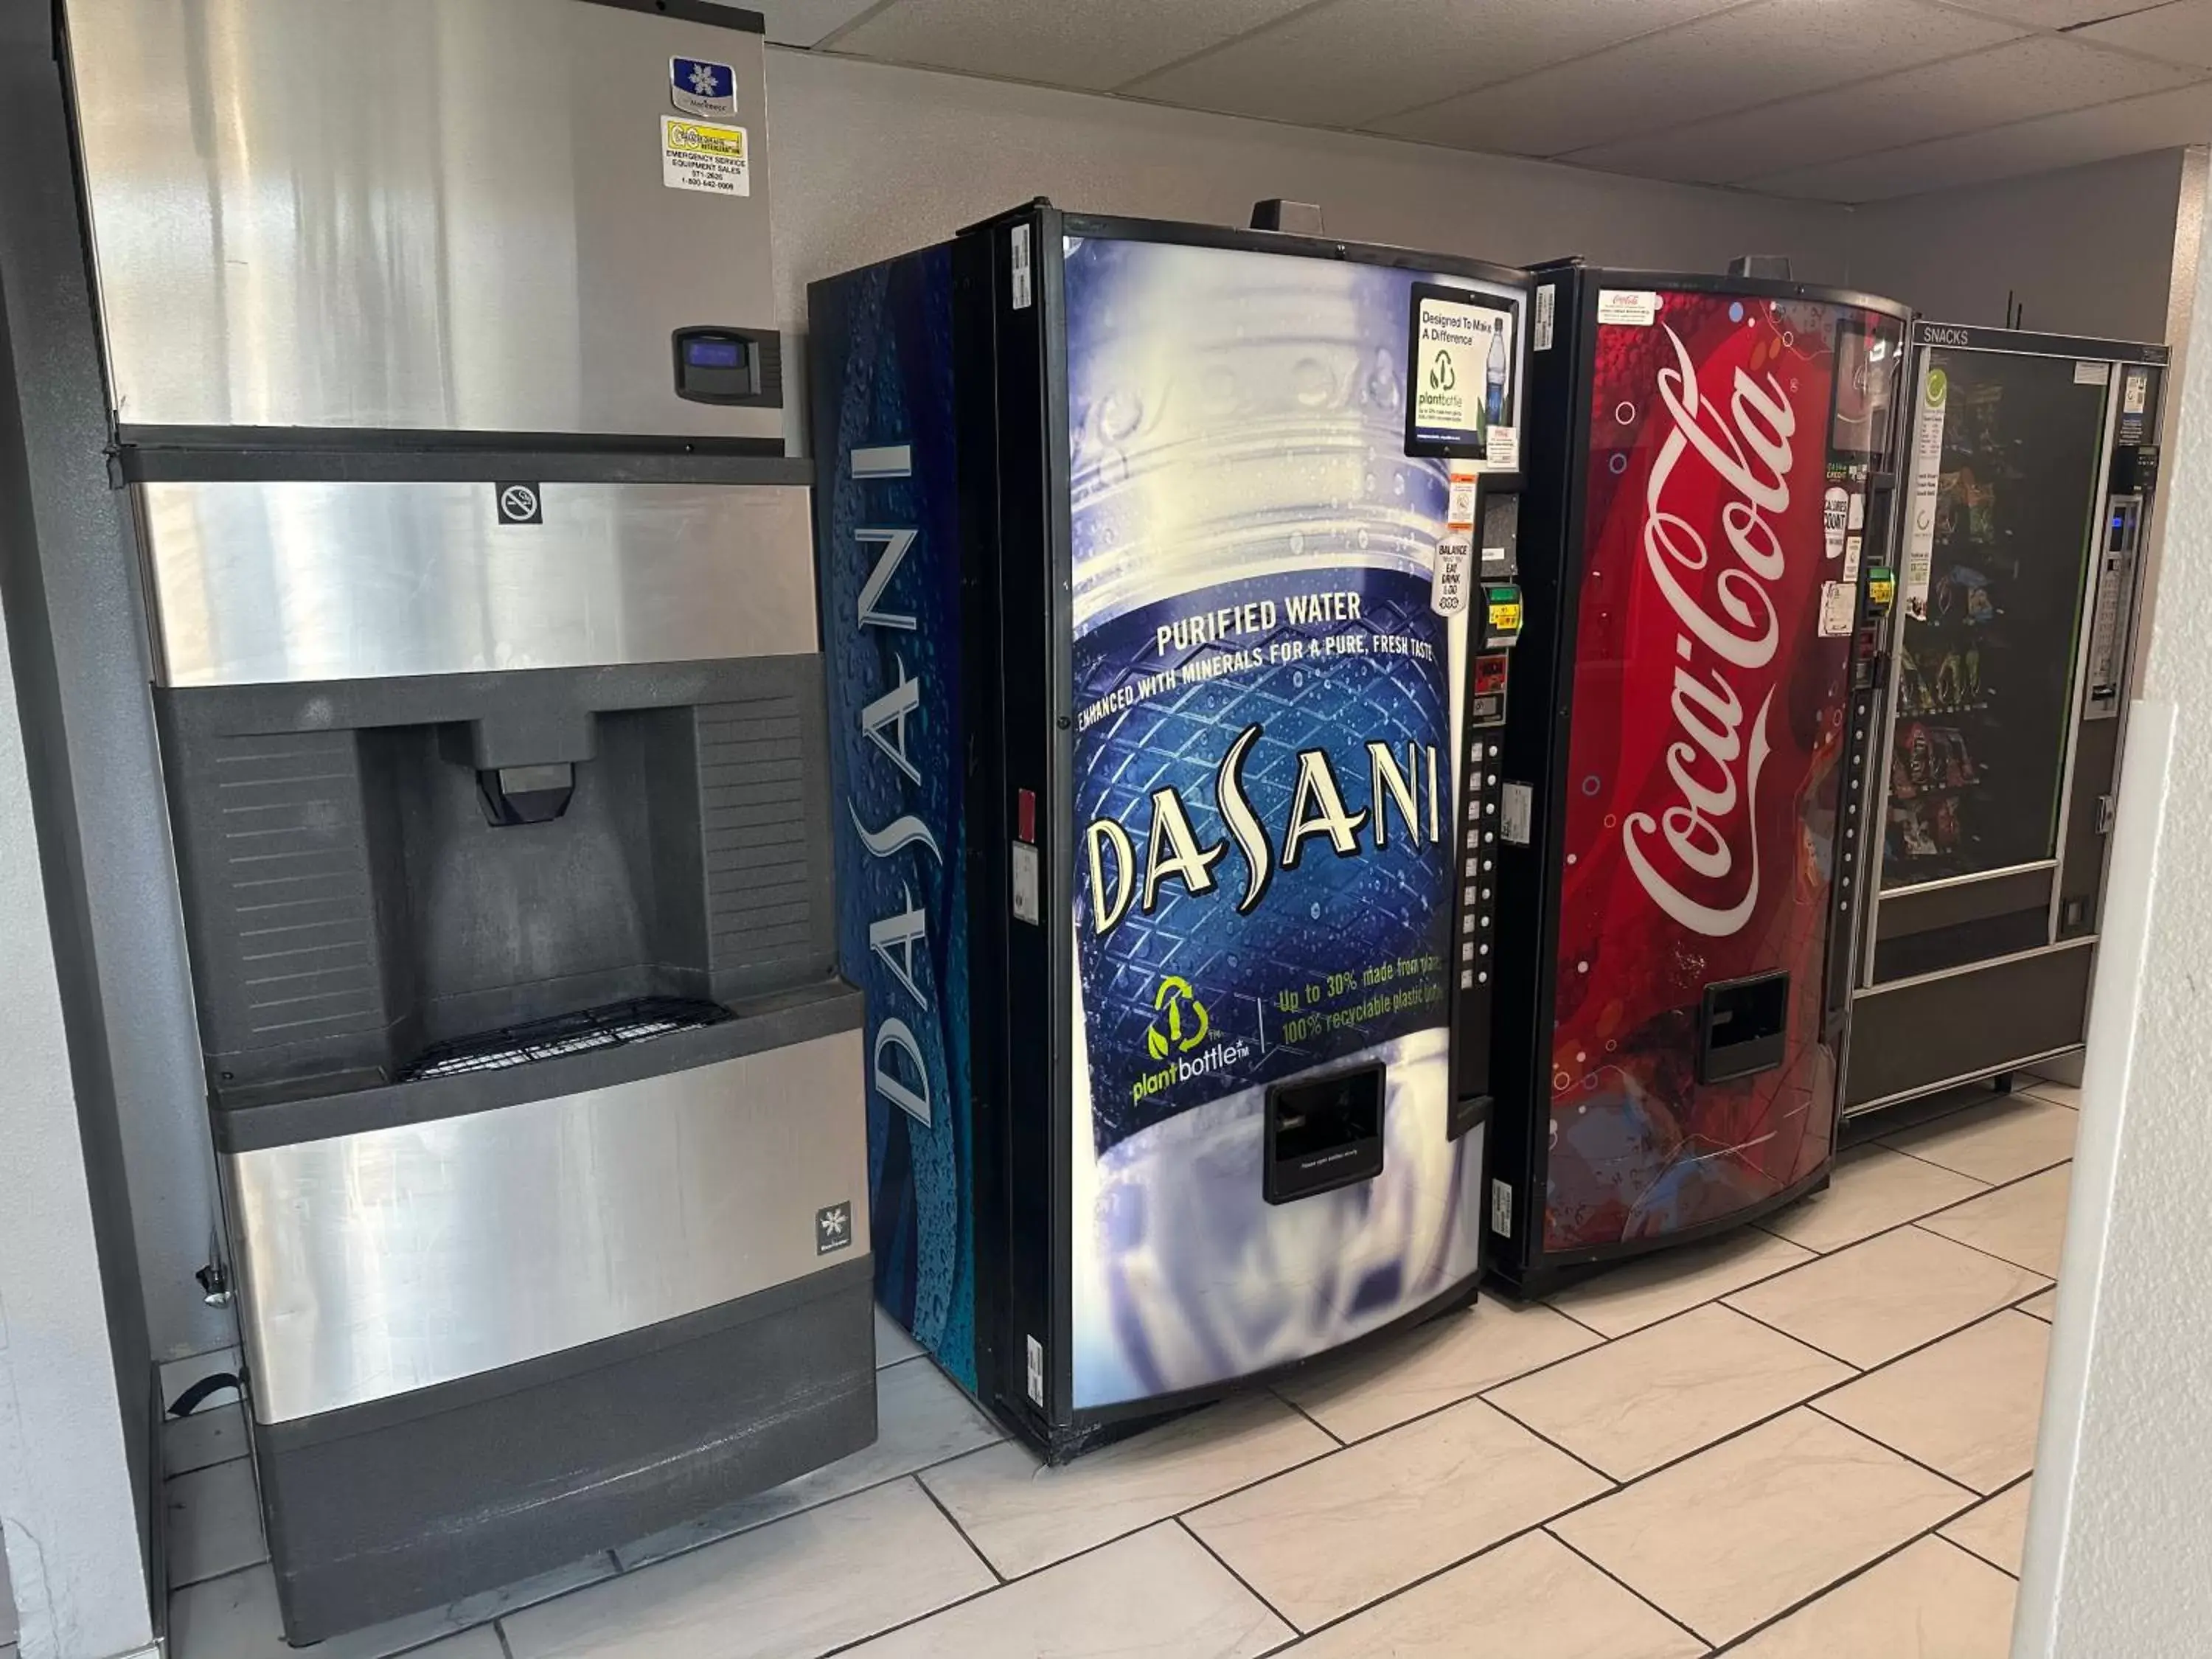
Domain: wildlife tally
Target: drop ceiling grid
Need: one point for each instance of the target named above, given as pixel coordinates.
(1844, 100)
(2040, 75)
(1754, 54)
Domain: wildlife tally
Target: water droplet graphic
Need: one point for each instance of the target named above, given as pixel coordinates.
(1310, 382)
(1314, 910)
(1361, 539)
(1397, 483)
(1297, 541)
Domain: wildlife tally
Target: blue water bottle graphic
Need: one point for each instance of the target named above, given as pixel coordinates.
(1494, 372)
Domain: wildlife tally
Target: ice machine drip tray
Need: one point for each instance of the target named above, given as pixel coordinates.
(1743, 1026)
(634, 1021)
(1323, 1133)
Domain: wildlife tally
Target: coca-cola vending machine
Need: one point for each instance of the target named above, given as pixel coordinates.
(1714, 461)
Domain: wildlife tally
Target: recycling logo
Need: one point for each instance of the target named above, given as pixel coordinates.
(1176, 1004)
(1442, 378)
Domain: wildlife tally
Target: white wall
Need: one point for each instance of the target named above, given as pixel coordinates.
(2119, 1559)
(870, 160)
(2086, 251)
(68, 1519)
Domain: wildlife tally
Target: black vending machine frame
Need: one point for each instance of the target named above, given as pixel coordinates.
(2009, 1005)
(1017, 562)
(1556, 436)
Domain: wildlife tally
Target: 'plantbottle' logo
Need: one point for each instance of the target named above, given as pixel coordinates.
(1176, 1005)
(1440, 377)
(1178, 1038)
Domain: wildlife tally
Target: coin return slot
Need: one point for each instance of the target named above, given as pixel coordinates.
(1743, 1027)
(1323, 1134)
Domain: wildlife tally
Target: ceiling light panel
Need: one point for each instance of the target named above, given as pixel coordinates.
(1730, 61)
(2039, 75)
(1348, 62)
(1090, 45)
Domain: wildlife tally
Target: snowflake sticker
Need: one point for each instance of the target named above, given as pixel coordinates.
(699, 86)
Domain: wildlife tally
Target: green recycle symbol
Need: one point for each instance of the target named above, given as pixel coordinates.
(1174, 995)
(1441, 378)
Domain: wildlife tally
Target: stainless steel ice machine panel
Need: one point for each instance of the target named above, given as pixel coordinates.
(422, 215)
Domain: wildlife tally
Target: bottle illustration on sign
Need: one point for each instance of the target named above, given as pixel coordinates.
(1494, 376)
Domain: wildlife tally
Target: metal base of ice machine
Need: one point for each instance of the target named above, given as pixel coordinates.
(422, 1499)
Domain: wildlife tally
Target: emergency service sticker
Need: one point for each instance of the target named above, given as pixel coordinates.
(698, 155)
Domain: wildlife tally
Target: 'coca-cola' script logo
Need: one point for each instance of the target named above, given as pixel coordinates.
(1721, 655)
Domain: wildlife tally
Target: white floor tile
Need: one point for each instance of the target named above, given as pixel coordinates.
(1872, 1189)
(792, 1589)
(1438, 1365)
(1871, 1302)
(2044, 1088)
(2023, 1223)
(1331, 1536)
(1667, 1389)
(215, 1523)
(213, 1434)
(1929, 1600)
(1967, 1406)
(235, 1617)
(1651, 1288)
(1024, 1516)
(1999, 1140)
(1531, 1599)
(922, 1419)
(893, 1343)
(1731, 1537)
(1155, 1595)
(1997, 1530)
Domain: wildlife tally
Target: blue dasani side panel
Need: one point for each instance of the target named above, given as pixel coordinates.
(889, 555)
(1263, 793)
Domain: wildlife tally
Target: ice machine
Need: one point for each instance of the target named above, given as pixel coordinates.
(447, 388)
(2034, 475)
(1711, 471)
(1167, 585)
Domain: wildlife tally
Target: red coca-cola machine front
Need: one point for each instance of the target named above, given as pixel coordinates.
(1680, 834)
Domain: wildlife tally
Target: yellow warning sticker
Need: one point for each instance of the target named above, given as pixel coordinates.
(697, 155)
(1505, 616)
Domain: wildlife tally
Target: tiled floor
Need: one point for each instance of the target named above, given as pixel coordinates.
(1808, 1441)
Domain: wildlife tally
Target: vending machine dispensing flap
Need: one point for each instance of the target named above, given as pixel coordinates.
(1743, 1027)
(1322, 1134)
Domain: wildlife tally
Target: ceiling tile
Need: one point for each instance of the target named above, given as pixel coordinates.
(1091, 45)
(1768, 49)
(2040, 75)
(2160, 121)
(804, 22)
(2050, 13)
(2179, 34)
(1349, 61)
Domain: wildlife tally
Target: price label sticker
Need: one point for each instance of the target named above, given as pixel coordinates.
(1452, 585)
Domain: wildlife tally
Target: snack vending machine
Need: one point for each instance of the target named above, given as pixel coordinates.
(1714, 459)
(1168, 583)
(2033, 469)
